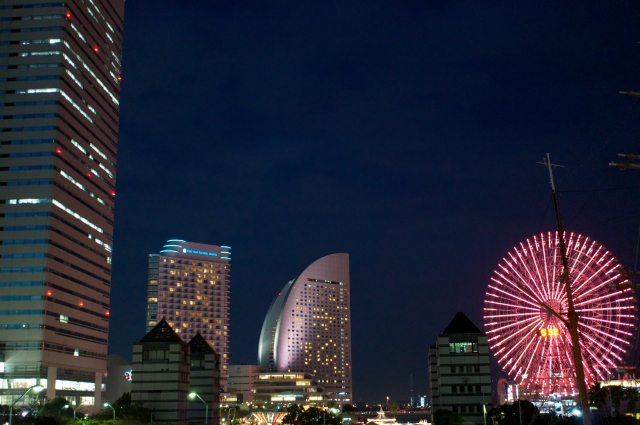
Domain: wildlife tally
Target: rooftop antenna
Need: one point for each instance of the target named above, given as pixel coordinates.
(572, 317)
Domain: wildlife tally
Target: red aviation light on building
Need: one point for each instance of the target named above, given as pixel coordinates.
(48, 293)
(113, 193)
(58, 151)
(96, 49)
(119, 77)
(88, 174)
(81, 304)
(107, 312)
(68, 14)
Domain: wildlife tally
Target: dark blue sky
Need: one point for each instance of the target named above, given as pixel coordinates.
(403, 132)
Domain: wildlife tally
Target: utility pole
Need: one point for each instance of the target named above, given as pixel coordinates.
(571, 314)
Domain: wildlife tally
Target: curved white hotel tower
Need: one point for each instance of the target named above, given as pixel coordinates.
(308, 327)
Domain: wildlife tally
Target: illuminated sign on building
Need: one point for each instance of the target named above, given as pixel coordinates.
(548, 332)
(193, 251)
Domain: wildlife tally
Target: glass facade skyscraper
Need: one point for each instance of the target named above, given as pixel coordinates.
(60, 65)
(308, 328)
(188, 286)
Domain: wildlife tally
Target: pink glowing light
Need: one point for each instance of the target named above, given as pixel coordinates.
(527, 278)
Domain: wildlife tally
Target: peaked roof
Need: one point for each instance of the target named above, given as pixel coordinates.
(162, 332)
(461, 324)
(199, 345)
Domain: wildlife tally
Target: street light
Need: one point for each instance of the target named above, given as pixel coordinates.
(37, 388)
(114, 410)
(75, 410)
(206, 417)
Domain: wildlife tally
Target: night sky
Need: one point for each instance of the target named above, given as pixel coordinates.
(405, 133)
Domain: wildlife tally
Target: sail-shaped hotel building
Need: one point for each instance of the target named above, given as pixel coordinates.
(308, 328)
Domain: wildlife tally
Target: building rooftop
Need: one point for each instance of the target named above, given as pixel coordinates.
(461, 324)
(200, 345)
(162, 332)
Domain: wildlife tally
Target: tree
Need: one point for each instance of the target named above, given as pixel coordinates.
(617, 394)
(393, 406)
(348, 408)
(299, 415)
(632, 396)
(56, 408)
(510, 414)
(447, 417)
(127, 409)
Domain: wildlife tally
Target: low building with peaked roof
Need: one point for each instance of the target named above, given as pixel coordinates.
(166, 370)
(204, 380)
(459, 370)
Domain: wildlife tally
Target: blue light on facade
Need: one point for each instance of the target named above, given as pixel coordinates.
(226, 247)
(169, 250)
(176, 240)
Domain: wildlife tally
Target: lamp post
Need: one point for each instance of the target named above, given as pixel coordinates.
(75, 410)
(37, 388)
(114, 410)
(192, 395)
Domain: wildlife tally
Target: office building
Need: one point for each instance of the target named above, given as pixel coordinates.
(308, 328)
(60, 65)
(188, 286)
(459, 372)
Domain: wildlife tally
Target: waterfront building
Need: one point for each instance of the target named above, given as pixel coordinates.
(459, 370)
(241, 383)
(60, 66)
(188, 285)
(284, 388)
(166, 370)
(308, 328)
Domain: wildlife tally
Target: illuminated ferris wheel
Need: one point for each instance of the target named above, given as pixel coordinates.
(526, 296)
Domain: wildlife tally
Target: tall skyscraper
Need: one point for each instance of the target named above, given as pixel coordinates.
(59, 91)
(189, 287)
(459, 370)
(308, 328)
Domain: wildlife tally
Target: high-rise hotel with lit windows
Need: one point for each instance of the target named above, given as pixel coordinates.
(188, 286)
(308, 328)
(60, 65)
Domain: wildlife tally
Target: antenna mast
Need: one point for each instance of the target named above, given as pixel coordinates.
(571, 314)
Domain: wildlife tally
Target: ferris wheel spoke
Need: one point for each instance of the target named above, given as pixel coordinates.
(521, 278)
(514, 296)
(602, 297)
(535, 263)
(595, 274)
(523, 352)
(603, 348)
(609, 336)
(611, 322)
(532, 279)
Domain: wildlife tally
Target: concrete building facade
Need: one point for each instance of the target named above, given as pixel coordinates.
(308, 328)
(60, 65)
(166, 370)
(459, 370)
(241, 383)
(188, 286)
